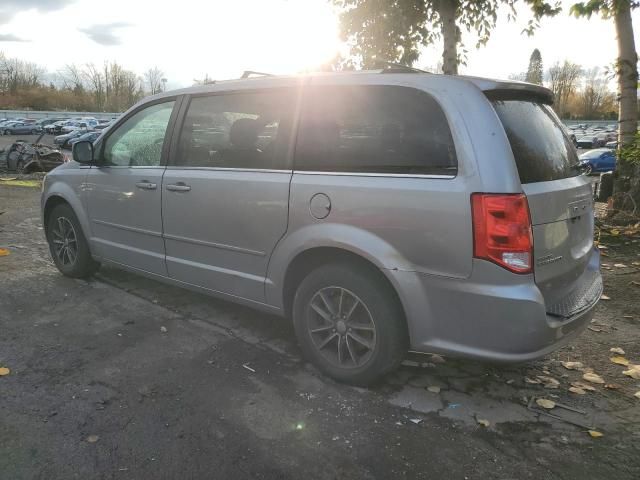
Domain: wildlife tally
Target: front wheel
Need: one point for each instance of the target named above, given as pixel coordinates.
(349, 323)
(68, 245)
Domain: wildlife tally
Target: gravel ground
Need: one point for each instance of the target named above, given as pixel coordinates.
(123, 377)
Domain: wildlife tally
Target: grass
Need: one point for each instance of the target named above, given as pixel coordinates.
(14, 182)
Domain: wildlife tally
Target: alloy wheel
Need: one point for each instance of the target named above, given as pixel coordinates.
(65, 241)
(341, 327)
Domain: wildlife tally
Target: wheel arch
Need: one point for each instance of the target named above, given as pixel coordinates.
(57, 197)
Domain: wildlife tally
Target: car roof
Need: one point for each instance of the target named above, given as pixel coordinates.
(358, 78)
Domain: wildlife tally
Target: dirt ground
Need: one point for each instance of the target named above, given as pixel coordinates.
(121, 377)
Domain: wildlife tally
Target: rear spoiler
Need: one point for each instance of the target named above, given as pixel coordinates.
(512, 90)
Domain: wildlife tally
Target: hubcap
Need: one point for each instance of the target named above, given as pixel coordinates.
(65, 243)
(341, 327)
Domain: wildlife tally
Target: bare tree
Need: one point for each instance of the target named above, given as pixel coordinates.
(97, 83)
(72, 78)
(563, 83)
(594, 94)
(154, 79)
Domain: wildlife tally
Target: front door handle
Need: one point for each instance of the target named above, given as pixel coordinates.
(178, 187)
(146, 185)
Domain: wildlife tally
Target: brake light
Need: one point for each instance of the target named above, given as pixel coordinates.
(502, 230)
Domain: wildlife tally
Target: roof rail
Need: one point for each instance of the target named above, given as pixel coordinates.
(248, 73)
(391, 67)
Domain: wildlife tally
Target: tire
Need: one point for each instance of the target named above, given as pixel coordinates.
(354, 354)
(76, 265)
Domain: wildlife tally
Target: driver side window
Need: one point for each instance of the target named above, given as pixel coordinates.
(138, 141)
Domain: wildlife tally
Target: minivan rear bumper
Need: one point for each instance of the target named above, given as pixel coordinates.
(494, 315)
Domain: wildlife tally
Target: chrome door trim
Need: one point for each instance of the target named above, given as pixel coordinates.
(214, 245)
(383, 175)
(229, 169)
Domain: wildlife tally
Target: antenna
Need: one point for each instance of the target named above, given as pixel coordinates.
(248, 73)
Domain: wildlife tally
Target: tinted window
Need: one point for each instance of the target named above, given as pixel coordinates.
(374, 129)
(240, 130)
(138, 141)
(540, 146)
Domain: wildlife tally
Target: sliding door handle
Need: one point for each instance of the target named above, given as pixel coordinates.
(178, 187)
(145, 185)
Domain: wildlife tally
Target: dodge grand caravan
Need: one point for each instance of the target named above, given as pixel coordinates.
(382, 211)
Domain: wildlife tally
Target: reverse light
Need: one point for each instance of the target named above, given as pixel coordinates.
(502, 230)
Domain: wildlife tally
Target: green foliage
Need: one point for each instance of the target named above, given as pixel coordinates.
(534, 72)
(396, 30)
(631, 152)
(606, 8)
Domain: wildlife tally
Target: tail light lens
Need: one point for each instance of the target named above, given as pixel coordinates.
(502, 230)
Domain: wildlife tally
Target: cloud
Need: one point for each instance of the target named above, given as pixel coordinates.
(105, 34)
(10, 8)
(10, 37)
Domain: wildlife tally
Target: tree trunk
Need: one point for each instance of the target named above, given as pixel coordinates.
(450, 35)
(627, 175)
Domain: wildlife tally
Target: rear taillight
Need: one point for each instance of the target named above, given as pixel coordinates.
(502, 230)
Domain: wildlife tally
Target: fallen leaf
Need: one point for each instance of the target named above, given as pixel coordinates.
(593, 378)
(637, 394)
(4, 252)
(546, 403)
(163, 329)
(604, 297)
(577, 390)
(434, 389)
(619, 265)
(627, 316)
(415, 420)
(549, 382)
(595, 329)
(633, 372)
(595, 433)
(615, 232)
(483, 422)
(620, 360)
(4, 371)
(612, 386)
(617, 350)
(93, 438)
(572, 365)
(583, 386)
(531, 380)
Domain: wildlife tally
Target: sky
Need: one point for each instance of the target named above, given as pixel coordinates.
(189, 39)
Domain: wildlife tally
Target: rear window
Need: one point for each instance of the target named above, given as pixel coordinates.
(540, 146)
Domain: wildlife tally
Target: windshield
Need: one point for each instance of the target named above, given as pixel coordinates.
(591, 154)
(540, 146)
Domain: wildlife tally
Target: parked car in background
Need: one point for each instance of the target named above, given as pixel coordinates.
(21, 128)
(103, 124)
(54, 128)
(7, 123)
(72, 126)
(587, 141)
(63, 140)
(44, 122)
(370, 234)
(598, 160)
(88, 137)
(612, 145)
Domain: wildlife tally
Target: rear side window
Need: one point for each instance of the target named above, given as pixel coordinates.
(374, 129)
(541, 148)
(238, 130)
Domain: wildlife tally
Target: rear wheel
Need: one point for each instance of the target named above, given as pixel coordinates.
(349, 323)
(68, 245)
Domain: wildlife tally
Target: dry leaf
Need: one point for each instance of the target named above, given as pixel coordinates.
(572, 365)
(93, 438)
(434, 389)
(4, 252)
(627, 316)
(595, 329)
(611, 386)
(163, 329)
(637, 394)
(549, 382)
(620, 360)
(617, 350)
(546, 403)
(615, 232)
(595, 433)
(531, 380)
(604, 297)
(633, 372)
(593, 378)
(619, 265)
(483, 422)
(4, 371)
(577, 390)
(583, 386)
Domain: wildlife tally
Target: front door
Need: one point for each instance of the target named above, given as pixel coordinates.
(125, 190)
(226, 190)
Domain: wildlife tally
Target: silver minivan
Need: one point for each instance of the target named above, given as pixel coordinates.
(383, 212)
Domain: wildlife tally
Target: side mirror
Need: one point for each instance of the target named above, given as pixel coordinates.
(83, 152)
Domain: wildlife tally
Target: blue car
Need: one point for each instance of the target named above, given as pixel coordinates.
(21, 128)
(599, 160)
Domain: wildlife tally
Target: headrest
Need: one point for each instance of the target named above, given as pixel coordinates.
(244, 133)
